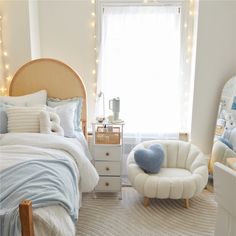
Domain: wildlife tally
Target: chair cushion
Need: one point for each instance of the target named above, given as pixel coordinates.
(173, 173)
(150, 159)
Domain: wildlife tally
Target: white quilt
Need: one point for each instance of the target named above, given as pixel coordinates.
(15, 148)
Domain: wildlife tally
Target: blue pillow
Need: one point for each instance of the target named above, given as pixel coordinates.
(150, 159)
(3, 119)
(53, 102)
(226, 142)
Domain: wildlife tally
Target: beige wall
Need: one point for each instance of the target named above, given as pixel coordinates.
(215, 64)
(16, 32)
(66, 34)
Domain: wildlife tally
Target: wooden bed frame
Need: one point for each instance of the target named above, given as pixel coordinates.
(60, 81)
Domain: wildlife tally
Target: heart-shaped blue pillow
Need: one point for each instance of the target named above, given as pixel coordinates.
(150, 159)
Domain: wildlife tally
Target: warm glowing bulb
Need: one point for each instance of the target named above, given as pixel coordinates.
(93, 13)
(0, 41)
(189, 49)
(8, 78)
(0, 17)
(97, 61)
(92, 1)
(190, 13)
(5, 53)
(95, 49)
(3, 89)
(185, 25)
(145, 1)
(93, 24)
(94, 36)
(93, 72)
(7, 66)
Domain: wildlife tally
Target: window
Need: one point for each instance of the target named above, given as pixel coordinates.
(140, 62)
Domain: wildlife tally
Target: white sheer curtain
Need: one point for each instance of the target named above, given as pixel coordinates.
(140, 63)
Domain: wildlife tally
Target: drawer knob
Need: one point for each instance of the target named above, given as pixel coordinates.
(107, 184)
(107, 168)
(107, 153)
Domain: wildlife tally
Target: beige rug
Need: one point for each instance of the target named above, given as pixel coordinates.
(108, 216)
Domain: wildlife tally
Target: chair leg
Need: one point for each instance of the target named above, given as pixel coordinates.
(186, 203)
(146, 201)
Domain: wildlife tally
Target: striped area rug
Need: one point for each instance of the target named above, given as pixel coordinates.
(108, 216)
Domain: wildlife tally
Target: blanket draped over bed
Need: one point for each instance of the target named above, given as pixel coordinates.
(47, 182)
(38, 167)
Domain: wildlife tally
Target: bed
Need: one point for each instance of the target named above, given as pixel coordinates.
(46, 161)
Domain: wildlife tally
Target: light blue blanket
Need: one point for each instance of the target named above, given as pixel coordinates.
(47, 182)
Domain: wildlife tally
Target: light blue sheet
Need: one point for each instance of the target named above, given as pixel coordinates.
(47, 182)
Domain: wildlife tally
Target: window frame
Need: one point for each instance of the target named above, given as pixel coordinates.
(101, 4)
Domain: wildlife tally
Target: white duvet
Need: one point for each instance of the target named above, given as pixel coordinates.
(15, 148)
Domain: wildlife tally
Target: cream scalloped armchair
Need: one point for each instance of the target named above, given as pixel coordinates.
(220, 153)
(183, 175)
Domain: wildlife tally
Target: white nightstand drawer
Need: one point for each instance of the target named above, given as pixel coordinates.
(106, 153)
(107, 168)
(108, 184)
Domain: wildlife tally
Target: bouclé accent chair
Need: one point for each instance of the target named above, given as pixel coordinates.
(183, 175)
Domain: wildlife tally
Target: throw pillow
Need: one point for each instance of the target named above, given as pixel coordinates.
(53, 102)
(3, 119)
(66, 114)
(50, 123)
(33, 99)
(150, 159)
(23, 119)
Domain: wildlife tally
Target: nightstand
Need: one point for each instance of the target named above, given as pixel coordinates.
(107, 148)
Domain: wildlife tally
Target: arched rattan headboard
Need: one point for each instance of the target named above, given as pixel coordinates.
(60, 81)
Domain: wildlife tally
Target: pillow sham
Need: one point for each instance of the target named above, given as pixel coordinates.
(23, 119)
(53, 102)
(66, 114)
(38, 98)
(3, 119)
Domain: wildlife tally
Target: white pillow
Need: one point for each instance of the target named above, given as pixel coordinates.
(66, 113)
(38, 98)
(24, 119)
(50, 123)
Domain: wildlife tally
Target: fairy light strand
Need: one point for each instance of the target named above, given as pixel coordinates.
(5, 67)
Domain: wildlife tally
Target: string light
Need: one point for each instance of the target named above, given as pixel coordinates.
(6, 77)
(94, 72)
(93, 24)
